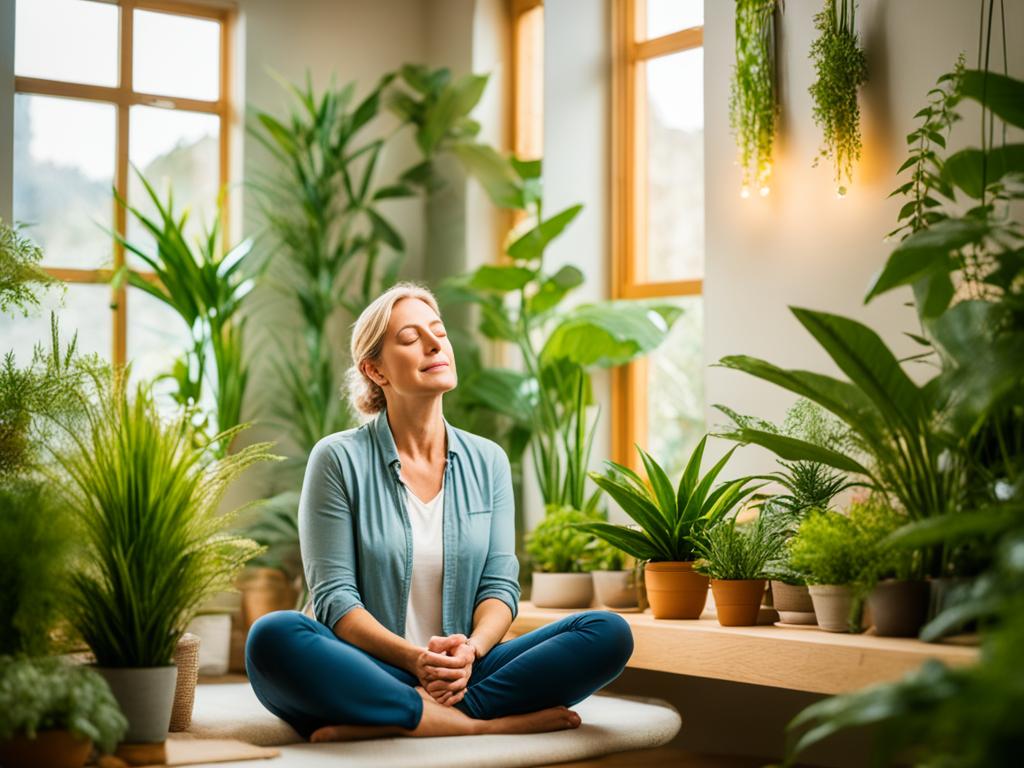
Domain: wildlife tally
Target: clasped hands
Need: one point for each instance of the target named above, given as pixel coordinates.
(444, 668)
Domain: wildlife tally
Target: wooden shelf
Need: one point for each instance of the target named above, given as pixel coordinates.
(799, 659)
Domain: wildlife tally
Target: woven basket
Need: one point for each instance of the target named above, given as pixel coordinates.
(186, 657)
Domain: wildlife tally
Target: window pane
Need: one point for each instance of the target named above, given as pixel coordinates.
(85, 309)
(176, 56)
(179, 151)
(71, 40)
(667, 16)
(63, 178)
(675, 400)
(675, 167)
(156, 337)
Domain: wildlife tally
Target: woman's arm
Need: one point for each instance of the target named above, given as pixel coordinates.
(500, 576)
(362, 630)
(491, 621)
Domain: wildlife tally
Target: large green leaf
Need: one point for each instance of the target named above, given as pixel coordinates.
(925, 251)
(532, 244)
(1003, 95)
(794, 449)
(493, 171)
(609, 333)
(974, 170)
(501, 279)
(640, 508)
(503, 391)
(862, 355)
(629, 541)
(454, 102)
(553, 289)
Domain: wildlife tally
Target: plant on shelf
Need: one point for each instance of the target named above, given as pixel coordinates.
(840, 70)
(206, 286)
(736, 558)
(51, 707)
(753, 107)
(670, 522)
(145, 491)
(562, 558)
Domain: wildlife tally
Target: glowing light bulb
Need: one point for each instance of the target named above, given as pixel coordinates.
(764, 191)
(745, 192)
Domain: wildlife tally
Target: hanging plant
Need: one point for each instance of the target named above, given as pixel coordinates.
(752, 103)
(841, 69)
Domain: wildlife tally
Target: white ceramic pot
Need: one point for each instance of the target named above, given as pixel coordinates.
(146, 696)
(214, 632)
(616, 589)
(793, 602)
(832, 604)
(562, 590)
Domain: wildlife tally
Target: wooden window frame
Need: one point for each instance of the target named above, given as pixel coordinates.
(123, 97)
(629, 208)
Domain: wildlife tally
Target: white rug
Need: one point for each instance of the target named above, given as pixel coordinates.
(610, 724)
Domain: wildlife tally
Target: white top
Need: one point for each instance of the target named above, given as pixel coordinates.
(423, 612)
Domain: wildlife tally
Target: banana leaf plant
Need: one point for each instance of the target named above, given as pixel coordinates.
(206, 286)
(672, 521)
(520, 303)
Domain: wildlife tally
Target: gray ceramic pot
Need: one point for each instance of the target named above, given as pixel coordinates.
(793, 602)
(146, 696)
(562, 590)
(832, 604)
(616, 589)
(899, 608)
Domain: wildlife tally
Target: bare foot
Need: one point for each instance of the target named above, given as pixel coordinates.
(439, 720)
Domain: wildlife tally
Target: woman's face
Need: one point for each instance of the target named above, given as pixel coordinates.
(416, 358)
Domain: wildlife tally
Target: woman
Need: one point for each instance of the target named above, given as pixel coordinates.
(406, 526)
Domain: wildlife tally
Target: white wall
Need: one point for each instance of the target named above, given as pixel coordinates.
(802, 245)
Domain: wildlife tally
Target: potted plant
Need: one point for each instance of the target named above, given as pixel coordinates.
(560, 556)
(735, 557)
(615, 585)
(145, 490)
(670, 521)
(52, 712)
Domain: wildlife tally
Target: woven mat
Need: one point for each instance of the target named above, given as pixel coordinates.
(182, 750)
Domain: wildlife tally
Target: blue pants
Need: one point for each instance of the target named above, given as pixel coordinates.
(303, 673)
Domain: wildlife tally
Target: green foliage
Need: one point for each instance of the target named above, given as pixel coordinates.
(670, 520)
(153, 545)
(925, 164)
(840, 70)
(753, 107)
(21, 278)
(728, 550)
(51, 694)
(557, 546)
(606, 557)
(36, 540)
(851, 549)
(207, 288)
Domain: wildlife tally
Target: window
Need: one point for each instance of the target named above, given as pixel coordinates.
(101, 86)
(658, 209)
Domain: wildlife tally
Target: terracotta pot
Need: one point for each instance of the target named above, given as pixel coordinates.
(54, 749)
(146, 696)
(737, 601)
(832, 605)
(616, 589)
(793, 602)
(562, 590)
(265, 590)
(675, 590)
(899, 608)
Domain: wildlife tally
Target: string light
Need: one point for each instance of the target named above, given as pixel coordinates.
(764, 191)
(745, 192)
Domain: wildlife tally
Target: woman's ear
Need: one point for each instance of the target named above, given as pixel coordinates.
(370, 370)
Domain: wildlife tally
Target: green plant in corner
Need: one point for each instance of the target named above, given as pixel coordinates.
(52, 694)
(22, 280)
(753, 108)
(670, 520)
(840, 70)
(153, 543)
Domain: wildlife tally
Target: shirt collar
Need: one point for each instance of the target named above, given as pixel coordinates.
(386, 441)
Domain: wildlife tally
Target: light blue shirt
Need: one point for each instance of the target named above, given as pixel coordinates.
(356, 539)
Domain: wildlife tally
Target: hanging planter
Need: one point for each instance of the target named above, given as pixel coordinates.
(841, 69)
(753, 108)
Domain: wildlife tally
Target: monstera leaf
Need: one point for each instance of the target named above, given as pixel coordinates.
(610, 333)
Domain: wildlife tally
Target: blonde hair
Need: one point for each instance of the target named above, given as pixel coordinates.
(364, 394)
